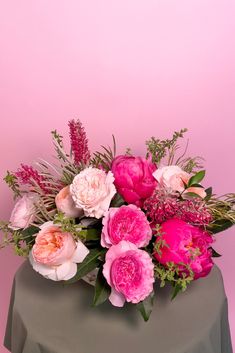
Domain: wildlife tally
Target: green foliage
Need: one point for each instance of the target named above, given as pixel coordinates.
(190, 164)
(13, 184)
(91, 261)
(215, 253)
(104, 159)
(145, 307)
(223, 212)
(159, 149)
(179, 275)
(197, 178)
(159, 243)
(102, 289)
(117, 201)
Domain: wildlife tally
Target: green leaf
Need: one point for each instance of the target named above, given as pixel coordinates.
(220, 225)
(187, 195)
(102, 289)
(117, 201)
(208, 193)
(30, 231)
(90, 262)
(146, 306)
(215, 253)
(176, 289)
(93, 234)
(197, 178)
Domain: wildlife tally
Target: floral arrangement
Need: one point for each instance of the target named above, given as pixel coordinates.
(121, 222)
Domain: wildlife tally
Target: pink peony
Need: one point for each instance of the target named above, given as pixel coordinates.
(24, 212)
(92, 190)
(55, 253)
(125, 223)
(133, 178)
(64, 203)
(172, 177)
(186, 244)
(130, 273)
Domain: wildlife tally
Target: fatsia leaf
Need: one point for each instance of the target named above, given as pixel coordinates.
(102, 289)
(146, 306)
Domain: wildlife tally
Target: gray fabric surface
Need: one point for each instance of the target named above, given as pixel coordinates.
(47, 317)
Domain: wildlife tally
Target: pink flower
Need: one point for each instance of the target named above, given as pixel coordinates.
(79, 142)
(92, 190)
(172, 177)
(55, 253)
(200, 191)
(64, 203)
(133, 178)
(185, 244)
(130, 273)
(125, 223)
(24, 212)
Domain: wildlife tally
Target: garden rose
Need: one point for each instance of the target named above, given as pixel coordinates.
(172, 177)
(125, 223)
(24, 212)
(92, 190)
(130, 273)
(133, 178)
(200, 191)
(55, 253)
(64, 203)
(186, 244)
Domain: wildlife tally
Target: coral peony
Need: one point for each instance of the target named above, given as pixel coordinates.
(64, 203)
(24, 212)
(130, 273)
(133, 178)
(92, 190)
(125, 223)
(185, 244)
(55, 253)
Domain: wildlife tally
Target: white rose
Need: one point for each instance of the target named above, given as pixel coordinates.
(92, 190)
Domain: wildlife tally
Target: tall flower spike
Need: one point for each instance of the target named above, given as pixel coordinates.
(79, 142)
(27, 174)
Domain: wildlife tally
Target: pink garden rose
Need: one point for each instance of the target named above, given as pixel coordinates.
(133, 178)
(172, 177)
(125, 223)
(200, 191)
(186, 244)
(64, 203)
(55, 253)
(24, 212)
(92, 190)
(130, 273)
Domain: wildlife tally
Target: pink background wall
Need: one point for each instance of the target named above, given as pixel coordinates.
(132, 68)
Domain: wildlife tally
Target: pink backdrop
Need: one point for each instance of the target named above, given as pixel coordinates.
(132, 68)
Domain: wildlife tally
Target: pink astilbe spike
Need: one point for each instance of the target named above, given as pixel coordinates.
(27, 174)
(79, 142)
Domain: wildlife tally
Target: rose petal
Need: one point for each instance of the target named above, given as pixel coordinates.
(66, 271)
(80, 253)
(117, 299)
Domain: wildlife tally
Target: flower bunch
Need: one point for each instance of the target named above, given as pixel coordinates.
(118, 221)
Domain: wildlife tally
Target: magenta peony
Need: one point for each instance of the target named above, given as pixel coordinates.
(186, 244)
(130, 273)
(55, 253)
(133, 178)
(125, 223)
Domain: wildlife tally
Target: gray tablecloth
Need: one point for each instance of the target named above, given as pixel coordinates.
(47, 317)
